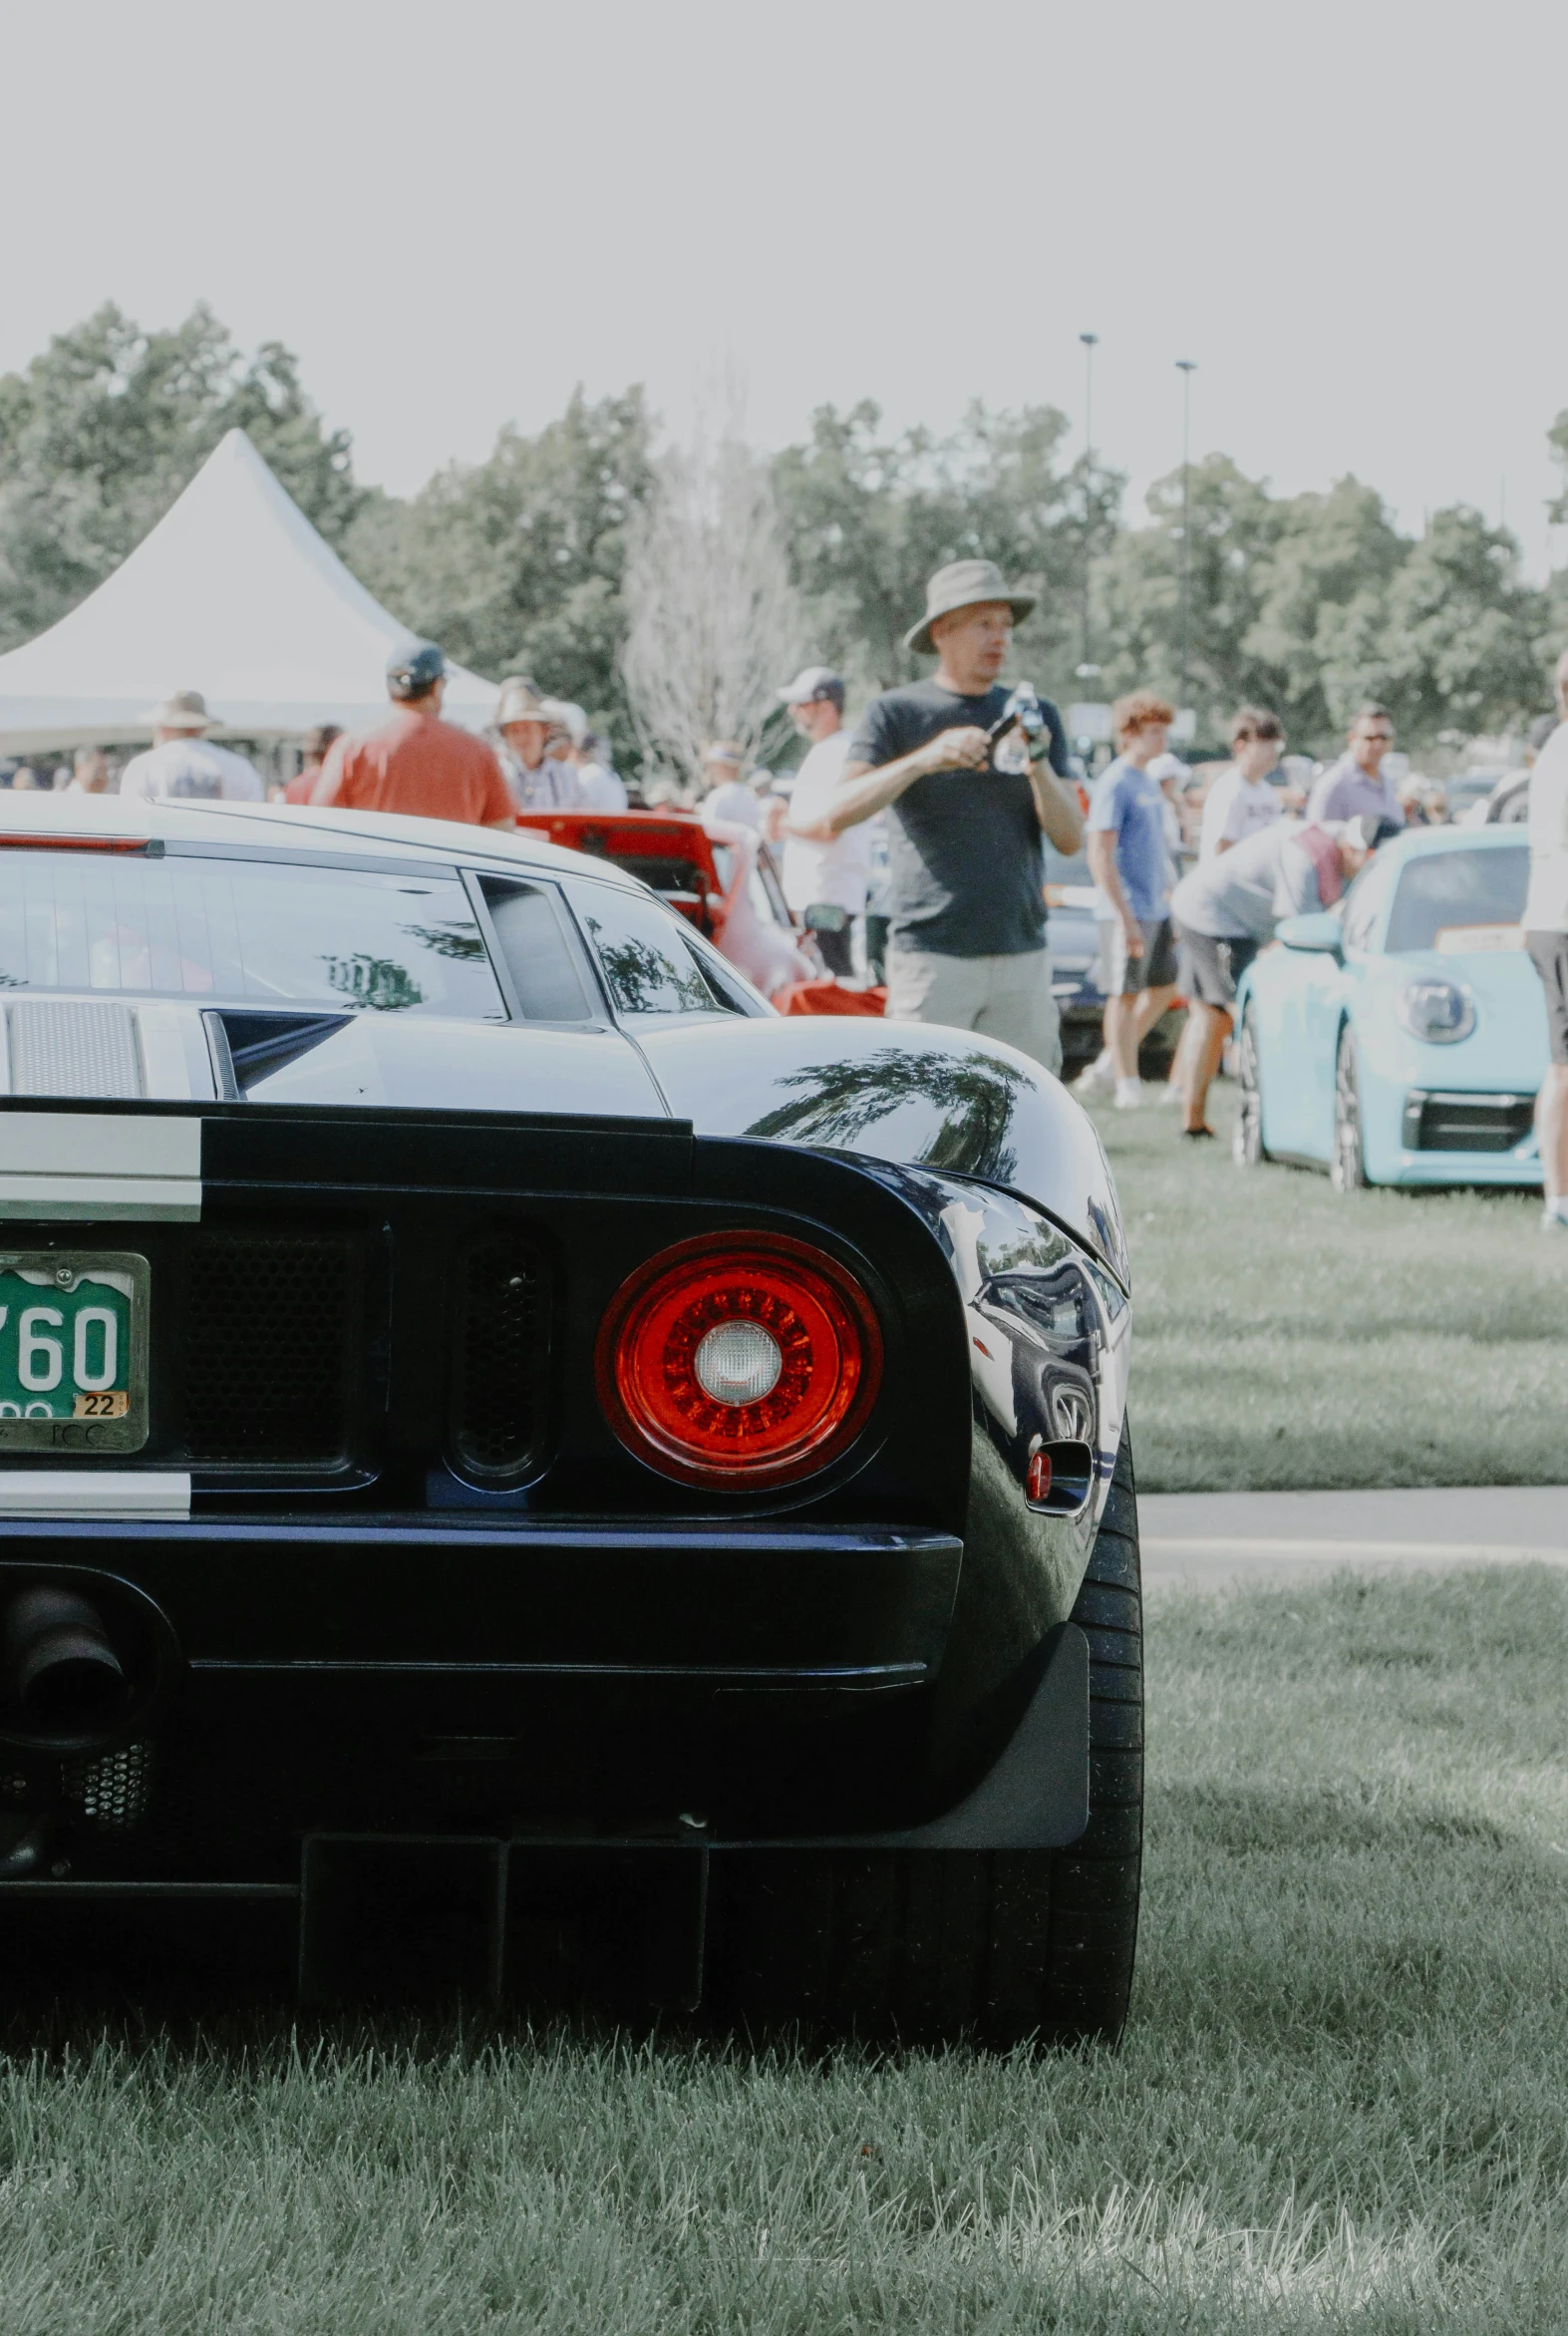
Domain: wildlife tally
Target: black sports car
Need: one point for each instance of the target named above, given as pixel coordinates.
(504, 1439)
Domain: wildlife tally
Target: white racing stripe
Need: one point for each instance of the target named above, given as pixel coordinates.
(79, 1166)
(106, 1492)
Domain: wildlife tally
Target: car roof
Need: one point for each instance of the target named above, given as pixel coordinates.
(326, 834)
(1418, 843)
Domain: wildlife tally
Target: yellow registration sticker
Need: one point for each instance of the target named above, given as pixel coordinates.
(113, 1403)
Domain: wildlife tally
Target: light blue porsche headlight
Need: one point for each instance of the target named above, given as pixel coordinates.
(1438, 1012)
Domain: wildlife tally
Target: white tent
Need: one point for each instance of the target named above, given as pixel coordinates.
(233, 593)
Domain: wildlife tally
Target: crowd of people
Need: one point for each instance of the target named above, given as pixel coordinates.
(910, 841)
(1263, 851)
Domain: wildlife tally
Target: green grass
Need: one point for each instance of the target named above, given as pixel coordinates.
(1339, 2106)
(1284, 1336)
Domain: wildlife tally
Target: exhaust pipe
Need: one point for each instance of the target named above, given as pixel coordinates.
(62, 1677)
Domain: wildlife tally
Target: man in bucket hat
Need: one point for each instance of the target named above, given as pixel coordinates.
(965, 817)
(180, 764)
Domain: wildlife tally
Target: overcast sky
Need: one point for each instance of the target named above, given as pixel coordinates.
(1352, 216)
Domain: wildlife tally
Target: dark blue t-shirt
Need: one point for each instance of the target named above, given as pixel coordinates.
(964, 862)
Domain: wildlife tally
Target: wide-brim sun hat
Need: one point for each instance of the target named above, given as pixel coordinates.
(963, 583)
(182, 710)
(518, 703)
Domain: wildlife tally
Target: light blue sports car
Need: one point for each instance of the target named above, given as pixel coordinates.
(1401, 1039)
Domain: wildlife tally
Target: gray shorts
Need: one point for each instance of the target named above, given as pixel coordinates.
(1122, 976)
(1009, 998)
(1210, 969)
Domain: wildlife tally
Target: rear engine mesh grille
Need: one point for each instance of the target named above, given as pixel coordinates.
(112, 1792)
(270, 1347)
(67, 1049)
(501, 1358)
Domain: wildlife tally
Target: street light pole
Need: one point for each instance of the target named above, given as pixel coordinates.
(1186, 367)
(1090, 342)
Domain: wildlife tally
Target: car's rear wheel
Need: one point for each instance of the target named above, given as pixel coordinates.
(1247, 1135)
(1003, 1944)
(1346, 1165)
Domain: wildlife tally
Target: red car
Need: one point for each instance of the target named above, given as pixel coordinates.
(716, 873)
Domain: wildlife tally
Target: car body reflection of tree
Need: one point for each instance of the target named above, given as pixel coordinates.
(449, 940)
(377, 982)
(970, 1104)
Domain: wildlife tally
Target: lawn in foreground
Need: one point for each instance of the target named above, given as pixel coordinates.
(1341, 2103)
(1287, 1336)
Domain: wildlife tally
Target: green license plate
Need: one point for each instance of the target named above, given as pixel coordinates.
(73, 1350)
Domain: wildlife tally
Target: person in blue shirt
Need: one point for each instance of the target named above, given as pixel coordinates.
(1129, 860)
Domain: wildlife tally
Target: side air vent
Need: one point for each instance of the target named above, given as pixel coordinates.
(69, 1049)
(271, 1347)
(500, 1368)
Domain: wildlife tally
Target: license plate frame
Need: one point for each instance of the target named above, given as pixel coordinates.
(62, 1272)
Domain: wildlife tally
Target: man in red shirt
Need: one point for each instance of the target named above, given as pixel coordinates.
(415, 763)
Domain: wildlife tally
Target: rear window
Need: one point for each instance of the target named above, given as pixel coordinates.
(262, 930)
(641, 948)
(1448, 892)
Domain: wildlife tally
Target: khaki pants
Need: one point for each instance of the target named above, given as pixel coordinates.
(996, 997)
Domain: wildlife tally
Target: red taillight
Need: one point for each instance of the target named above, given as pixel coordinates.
(739, 1360)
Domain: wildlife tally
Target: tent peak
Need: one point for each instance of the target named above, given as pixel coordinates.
(233, 592)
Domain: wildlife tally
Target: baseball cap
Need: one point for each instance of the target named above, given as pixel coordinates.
(1366, 831)
(413, 669)
(725, 749)
(811, 684)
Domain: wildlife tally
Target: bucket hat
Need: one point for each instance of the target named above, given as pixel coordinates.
(961, 584)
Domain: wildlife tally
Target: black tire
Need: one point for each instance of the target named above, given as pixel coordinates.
(1001, 1944)
(1346, 1165)
(1247, 1137)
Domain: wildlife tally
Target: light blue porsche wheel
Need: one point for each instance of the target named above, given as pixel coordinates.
(1247, 1135)
(1347, 1168)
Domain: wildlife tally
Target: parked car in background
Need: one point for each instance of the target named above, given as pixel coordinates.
(1073, 934)
(1463, 794)
(1401, 1039)
(716, 873)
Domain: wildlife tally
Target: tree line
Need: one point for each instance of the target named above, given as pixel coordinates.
(1309, 603)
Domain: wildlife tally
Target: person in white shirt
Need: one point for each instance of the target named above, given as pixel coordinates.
(1241, 801)
(825, 884)
(728, 796)
(539, 780)
(1545, 922)
(181, 764)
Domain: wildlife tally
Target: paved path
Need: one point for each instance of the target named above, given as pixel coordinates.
(1204, 1539)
